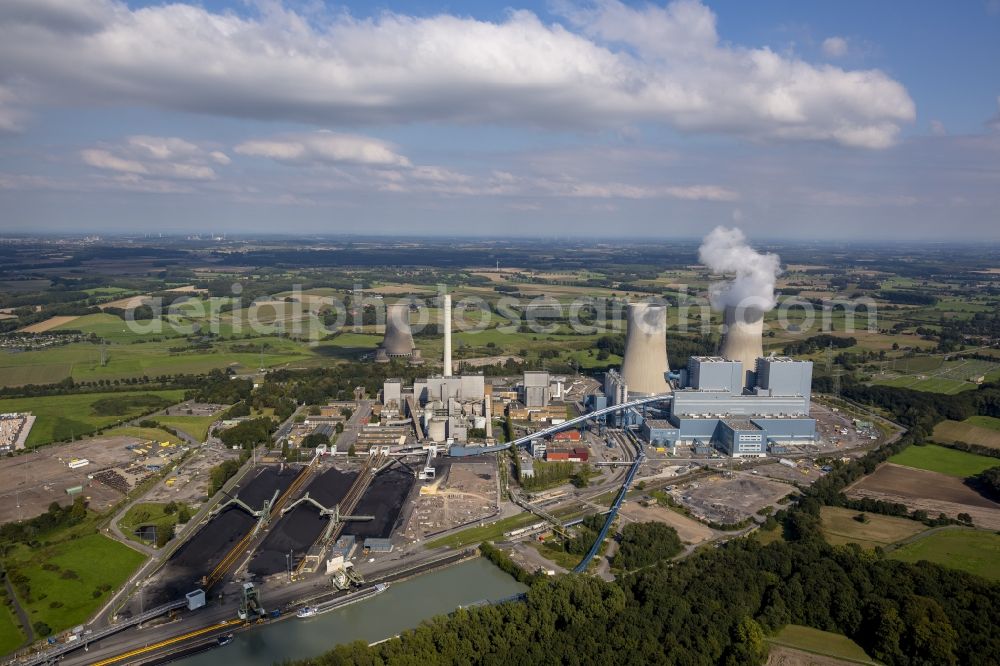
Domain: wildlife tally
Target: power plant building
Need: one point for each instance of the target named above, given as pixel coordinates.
(715, 408)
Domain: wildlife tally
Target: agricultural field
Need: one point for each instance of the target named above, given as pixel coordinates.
(82, 361)
(974, 551)
(61, 417)
(944, 460)
(840, 527)
(988, 422)
(71, 578)
(819, 642)
(979, 430)
(932, 492)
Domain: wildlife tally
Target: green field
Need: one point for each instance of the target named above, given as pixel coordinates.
(64, 577)
(488, 532)
(826, 643)
(944, 460)
(11, 635)
(61, 417)
(840, 527)
(974, 551)
(196, 426)
(929, 384)
(146, 513)
(150, 434)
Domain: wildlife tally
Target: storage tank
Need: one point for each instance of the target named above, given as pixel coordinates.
(644, 367)
(437, 429)
(398, 340)
(743, 339)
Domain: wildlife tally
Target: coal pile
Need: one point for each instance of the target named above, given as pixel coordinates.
(298, 530)
(199, 555)
(384, 500)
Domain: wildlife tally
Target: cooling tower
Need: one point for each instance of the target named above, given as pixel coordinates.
(743, 339)
(645, 366)
(398, 339)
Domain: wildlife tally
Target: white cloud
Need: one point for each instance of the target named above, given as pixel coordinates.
(612, 67)
(150, 162)
(103, 159)
(835, 47)
(324, 147)
(938, 128)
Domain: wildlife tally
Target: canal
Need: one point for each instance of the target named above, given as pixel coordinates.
(403, 606)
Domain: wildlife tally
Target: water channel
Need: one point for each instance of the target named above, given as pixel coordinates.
(403, 606)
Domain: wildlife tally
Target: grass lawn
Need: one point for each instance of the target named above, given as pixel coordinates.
(946, 461)
(64, 577)
(984, 431)
(488, 532)
(826, 643)
(974, 551)
(64, 416)
(152, 434)
(839, 527)
(143, 514)
(196, 426)
(11, 635)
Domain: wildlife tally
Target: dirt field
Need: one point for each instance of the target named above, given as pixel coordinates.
(933, 492)
(48, 324)
(690, 531)
(37, 479)
(947, 432)
(785, 656)
(462, 493)
(190, 483)
(723, 500)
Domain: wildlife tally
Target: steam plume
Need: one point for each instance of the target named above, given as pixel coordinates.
(726, 251)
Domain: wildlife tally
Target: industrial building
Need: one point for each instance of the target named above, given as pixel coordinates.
(442, 407)
(739, 401)
(713, 408)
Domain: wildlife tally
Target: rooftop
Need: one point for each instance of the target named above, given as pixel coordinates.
(741, 424)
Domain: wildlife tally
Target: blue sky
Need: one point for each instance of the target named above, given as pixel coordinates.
(843, 119)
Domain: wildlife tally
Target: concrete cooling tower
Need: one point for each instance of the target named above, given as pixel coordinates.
(743, 339)
(645, 366)
(398, 340)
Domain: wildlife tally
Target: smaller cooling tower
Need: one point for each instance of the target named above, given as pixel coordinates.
(644, 367)
(743, 339)
(398, 340)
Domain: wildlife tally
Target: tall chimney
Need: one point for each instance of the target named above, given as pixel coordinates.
(644, 366)
(446, 316)
(743, 339)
